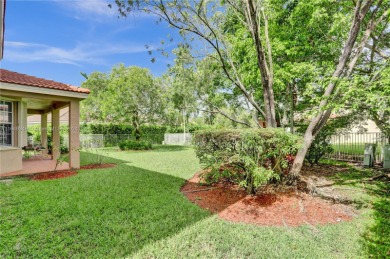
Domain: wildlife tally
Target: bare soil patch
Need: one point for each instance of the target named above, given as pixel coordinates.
(97, 166)
(268, 208)
(67, 173)
(53, 175)
(323, 170)
(216, 198)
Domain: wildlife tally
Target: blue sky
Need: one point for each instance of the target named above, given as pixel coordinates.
(59, 39)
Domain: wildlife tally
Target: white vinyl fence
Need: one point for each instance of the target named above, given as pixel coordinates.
(91, 140)
(177, 138)
(87, 140)
(113, 140)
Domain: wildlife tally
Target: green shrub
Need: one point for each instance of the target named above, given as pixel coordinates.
(262, 155)
(63, 148)
(135, 145)
(35, 131)
(151, 133)
(320, 147)
(228, 173)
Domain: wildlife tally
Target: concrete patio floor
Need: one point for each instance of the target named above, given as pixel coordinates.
(37, 164)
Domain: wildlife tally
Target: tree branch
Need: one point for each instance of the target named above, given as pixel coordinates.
(269, 49)
(371, 26)
(230, 117)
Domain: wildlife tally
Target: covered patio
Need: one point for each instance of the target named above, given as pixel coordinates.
(38, 164)
(22, 95)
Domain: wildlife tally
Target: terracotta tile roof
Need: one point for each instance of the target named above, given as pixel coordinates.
(22, 79)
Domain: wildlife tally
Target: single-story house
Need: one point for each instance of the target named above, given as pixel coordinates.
(22, 95)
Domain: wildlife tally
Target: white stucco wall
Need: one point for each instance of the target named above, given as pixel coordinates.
(10, 159)
(368, 125)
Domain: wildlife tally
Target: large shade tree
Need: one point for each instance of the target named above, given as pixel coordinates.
(368, 16)
(91, 108)
(125, 95)
(284, 38)
(205, 20)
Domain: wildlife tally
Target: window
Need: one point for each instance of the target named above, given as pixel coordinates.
(6, 118)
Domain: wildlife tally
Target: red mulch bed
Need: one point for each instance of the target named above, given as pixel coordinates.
(97, 166)
(277, 209)
(67, 173)
(53, 175)
(216, 198)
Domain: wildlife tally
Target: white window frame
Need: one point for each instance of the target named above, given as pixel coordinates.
(8, 123)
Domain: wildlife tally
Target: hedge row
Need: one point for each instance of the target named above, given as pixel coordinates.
(129, 129)
(250, 157)
(116, 133)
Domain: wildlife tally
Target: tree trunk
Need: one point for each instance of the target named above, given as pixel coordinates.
(381, 124)
(135, 120)
(300, 157)
(269, 103)
(285, 120)
(290, 94)
(265, 70)
(318, 121)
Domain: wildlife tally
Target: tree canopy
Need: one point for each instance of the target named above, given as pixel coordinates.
(278, 58)
(125, 95)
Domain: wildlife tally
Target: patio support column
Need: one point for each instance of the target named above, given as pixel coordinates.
(55, 134)
(44, 131)
(74, 134)
(22, 124)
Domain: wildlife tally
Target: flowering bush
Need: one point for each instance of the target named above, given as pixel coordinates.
(262, 155)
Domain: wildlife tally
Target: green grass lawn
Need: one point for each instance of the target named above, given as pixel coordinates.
(136, 210)
(353, 148)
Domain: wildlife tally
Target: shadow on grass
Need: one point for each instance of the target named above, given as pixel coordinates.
(170, 148)
(110, 212)
(352, 176)
(87, 158)
(376, 240)
(343, 173)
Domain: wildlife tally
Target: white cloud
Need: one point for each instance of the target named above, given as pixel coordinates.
(83, 53)
(22, 44)
(96, 10)
(93, 6)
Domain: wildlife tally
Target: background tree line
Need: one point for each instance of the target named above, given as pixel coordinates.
(258, 63)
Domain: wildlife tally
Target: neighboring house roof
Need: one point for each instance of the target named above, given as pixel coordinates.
(36, 118)
(22, 79)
